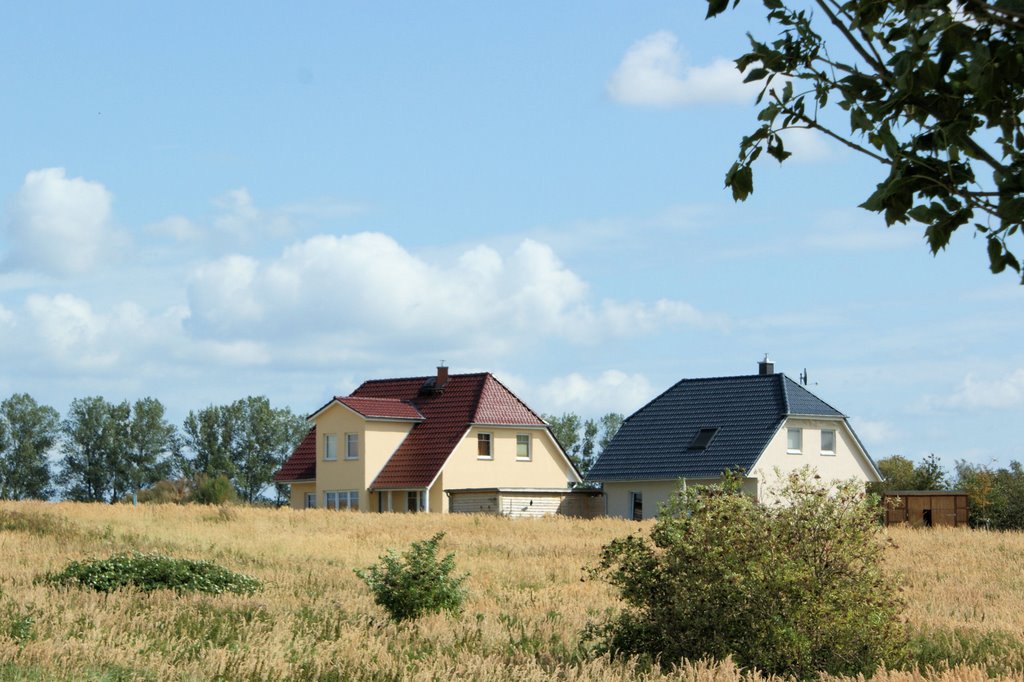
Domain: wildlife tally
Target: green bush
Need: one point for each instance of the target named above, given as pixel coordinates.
(217, 490)
(148, 572)
(415, 583)
(791, 589)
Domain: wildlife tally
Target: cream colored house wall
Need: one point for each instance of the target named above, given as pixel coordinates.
(848, 462)
(546, 468)
(298, 494)
(381, 440)
(618, 495)
(378, 440)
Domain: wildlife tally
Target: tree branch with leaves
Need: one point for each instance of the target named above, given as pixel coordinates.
(934, 92)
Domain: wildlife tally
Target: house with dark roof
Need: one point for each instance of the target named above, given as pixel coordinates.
(761, 425)
(447, 442)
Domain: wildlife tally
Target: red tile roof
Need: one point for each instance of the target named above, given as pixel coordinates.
(301, 466)
(446, 414)
(383, 408)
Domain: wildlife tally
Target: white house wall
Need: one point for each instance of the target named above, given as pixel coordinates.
(618, 496)
(848, 462)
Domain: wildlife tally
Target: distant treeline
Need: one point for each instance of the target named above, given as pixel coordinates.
(996, 494)
(110, 451)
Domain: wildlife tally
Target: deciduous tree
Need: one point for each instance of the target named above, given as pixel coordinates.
(933, 91)
(28, 431)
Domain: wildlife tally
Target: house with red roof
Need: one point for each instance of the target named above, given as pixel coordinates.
(441, 443)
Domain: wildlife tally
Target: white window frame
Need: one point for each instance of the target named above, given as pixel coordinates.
(310, 497)
(485, 437)
(341, 499)
(351, 446)
(529, 447)
(330, 447)
(799, 440)
(828, 452)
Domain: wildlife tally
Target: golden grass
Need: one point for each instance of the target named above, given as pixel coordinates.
(528, 601)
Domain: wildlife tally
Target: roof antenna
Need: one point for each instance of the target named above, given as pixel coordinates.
(803, 377)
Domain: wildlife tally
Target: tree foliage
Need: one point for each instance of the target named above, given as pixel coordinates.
(933, 90)
(583, 440)
(996, 495)
(112, 449)
(28, 431)
(901, 473)
(245, 441)
(791, 589)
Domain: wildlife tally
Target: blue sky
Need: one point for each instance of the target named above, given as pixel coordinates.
(206, 201)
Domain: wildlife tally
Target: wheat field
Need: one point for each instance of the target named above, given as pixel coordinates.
(314, 619)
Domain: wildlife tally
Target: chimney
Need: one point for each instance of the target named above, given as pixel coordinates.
(766, 366)
(442, 377)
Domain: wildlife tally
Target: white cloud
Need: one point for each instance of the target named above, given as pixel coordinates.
(6, 317)
(806, 145)
(612, 391)
(60, 225)
(1002, 392)
(874, 433)
(653, 73)
(75, 335)
(177, 227)
(366, 289)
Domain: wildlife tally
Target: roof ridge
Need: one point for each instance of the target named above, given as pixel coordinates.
(785, 393)
(479, 401)
(420, 378)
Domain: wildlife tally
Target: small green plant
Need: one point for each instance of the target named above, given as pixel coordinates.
(416, 582)
(17, 622)
(149, 572)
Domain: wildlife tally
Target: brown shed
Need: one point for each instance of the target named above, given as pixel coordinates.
(925, 508)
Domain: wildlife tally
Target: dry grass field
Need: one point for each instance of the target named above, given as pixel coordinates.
(314, 620)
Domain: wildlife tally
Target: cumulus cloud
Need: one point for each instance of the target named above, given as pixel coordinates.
(1002, 392)
(611, 391)
(60, 225)
(73, 334)
(874, 432)
(366, 288)
(653, 73)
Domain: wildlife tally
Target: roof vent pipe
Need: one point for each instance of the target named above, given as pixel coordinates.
(766, 366)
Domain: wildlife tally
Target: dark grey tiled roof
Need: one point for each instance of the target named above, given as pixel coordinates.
(653, 444)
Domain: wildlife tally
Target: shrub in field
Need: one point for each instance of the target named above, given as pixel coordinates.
(148, 572)
(415, 583)
(791, 589)
(216, 490)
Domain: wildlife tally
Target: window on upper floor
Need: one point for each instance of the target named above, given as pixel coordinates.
(828, 442)
(330, 446)
(794, 441)
(351, 446)
(483, 446)
(523, 446)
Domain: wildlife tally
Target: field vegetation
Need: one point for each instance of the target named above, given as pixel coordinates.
(314, 619)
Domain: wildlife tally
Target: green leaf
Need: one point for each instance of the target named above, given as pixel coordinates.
(741, 180)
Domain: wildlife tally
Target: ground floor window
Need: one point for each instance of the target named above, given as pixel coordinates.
(638, 506)
(341, 499)
(310, 500)
(415, 501)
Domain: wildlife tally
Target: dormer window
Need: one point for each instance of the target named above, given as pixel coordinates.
(703, 438)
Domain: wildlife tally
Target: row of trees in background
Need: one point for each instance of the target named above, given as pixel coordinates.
(110, 450)
(584, 439)
(996, 494)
